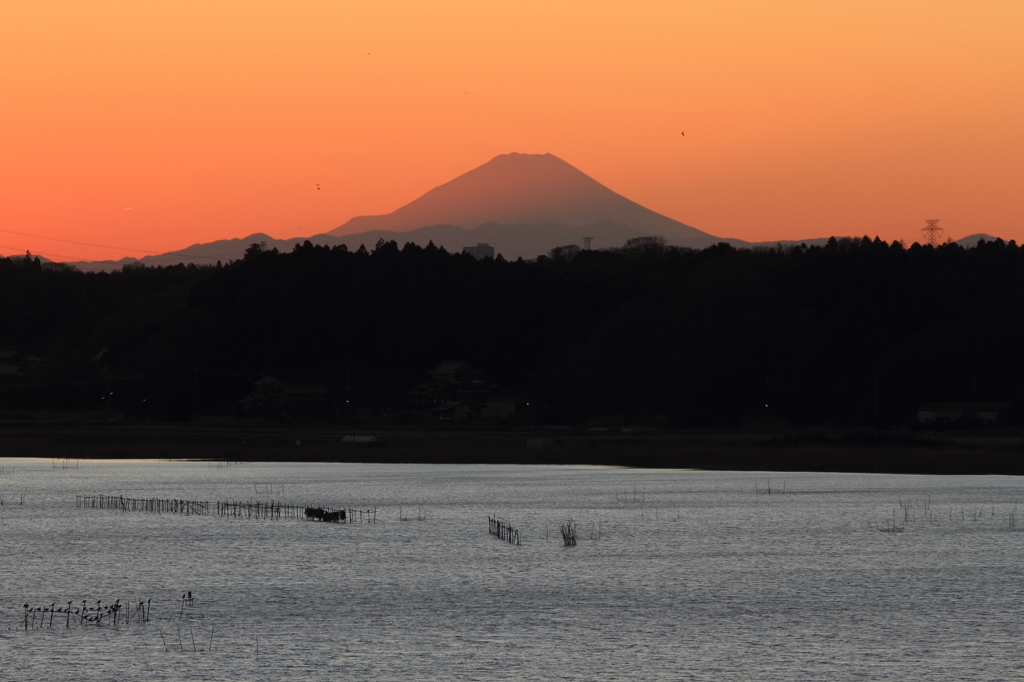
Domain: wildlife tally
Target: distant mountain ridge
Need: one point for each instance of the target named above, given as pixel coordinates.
(523, 205)
(511, 241)
(526, 241)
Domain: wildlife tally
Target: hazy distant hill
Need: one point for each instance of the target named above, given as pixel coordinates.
(972, 240)
(511, 241)
(528, 190)
(523, 205)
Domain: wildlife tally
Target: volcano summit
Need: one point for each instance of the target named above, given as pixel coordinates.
(519, 191)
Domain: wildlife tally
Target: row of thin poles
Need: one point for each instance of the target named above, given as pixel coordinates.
(150, 504)
(362, 515)
(233, 508)
(42, 616)
(261, 510)
(276, 510)
(503, 530)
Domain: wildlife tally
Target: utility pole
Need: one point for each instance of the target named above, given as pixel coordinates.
(931, 232)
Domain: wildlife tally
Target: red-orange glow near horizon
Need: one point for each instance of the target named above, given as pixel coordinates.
(135, 127)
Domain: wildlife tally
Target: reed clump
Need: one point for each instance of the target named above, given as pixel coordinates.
(913, 510)
(890, 526)
(568, 529)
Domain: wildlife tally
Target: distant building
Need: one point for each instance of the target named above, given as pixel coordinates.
(503, 407)
(450, 412)
(15, 363)
(8, 362)
(272, 396)
(30, 364)
(480, 251)
(454, 382)
(306, 396)
(964, 413)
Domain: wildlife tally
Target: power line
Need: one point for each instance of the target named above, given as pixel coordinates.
(169, 255)
(69, 241)
(48, 254)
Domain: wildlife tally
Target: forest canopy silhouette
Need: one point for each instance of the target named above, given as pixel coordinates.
(857, 332)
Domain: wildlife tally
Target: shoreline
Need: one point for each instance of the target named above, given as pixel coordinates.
(849, 451)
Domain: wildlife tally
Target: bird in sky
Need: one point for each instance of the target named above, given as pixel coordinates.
(318, 186)
(684, 134)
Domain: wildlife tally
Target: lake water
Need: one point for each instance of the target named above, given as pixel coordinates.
(678, 575)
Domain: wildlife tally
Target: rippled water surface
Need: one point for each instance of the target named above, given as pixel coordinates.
(678, 575)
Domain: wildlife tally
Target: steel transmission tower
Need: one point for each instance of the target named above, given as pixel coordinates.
(931, 232)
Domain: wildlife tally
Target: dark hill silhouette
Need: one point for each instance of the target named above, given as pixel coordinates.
(851, 334)
(527, 190)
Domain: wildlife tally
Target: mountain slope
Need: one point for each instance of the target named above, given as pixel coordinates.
(526, 189)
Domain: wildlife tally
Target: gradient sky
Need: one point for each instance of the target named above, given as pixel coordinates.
(217, 119)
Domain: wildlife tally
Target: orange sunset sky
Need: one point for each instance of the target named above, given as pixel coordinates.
(217, 119)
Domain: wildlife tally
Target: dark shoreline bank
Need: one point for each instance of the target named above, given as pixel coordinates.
(847, 451)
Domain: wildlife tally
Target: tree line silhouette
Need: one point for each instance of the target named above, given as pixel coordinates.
(856, 332)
